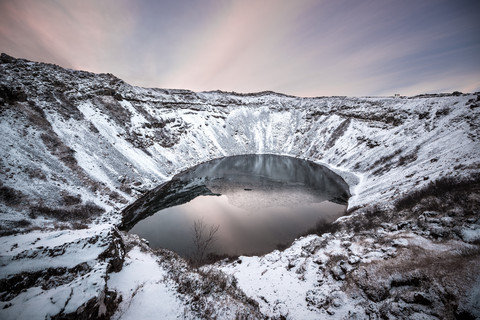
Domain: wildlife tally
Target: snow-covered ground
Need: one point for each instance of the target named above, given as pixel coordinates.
(77, 148)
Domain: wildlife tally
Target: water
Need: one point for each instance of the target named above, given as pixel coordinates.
(258, 202)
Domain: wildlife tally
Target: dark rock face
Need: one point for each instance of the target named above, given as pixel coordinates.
(96, 308)
(5, 58)
(10, 95)
(172, 193)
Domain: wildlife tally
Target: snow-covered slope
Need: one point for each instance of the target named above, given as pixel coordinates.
(78, 147)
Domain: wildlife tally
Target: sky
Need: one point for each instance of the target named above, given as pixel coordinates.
(298, 47)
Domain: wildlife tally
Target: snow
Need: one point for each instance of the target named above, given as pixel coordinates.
(154, 300)
(109, 131)
(37, 303)
(302, 282)
(472, 301)
(60, 251)
(471, 233)
(293, 275)
(39, 250)
(143, 284)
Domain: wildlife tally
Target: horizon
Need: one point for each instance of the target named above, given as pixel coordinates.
(303, 49)
(240, 93)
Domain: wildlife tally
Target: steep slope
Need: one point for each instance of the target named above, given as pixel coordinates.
(67, 133)
(78, 147)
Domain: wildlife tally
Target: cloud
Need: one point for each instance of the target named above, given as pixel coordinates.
(76, 34)
(239, 42)
(304, 47)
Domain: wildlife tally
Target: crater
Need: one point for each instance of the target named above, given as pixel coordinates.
(238, 205)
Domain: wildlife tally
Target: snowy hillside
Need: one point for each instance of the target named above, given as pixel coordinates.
(78, 147)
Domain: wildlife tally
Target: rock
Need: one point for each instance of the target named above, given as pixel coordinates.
(316, 298)
(5, 58)
(471, 235)
(431, 213)
(400, 242)
(421, 219)
(376, 288)
(447, 221)
(137, 183)
(439, 232)
(337, 273)
(422, 298)
(433, 220)
(386, 226)
(346, 244)
(353, 259)
(337, 302)
(403, 225)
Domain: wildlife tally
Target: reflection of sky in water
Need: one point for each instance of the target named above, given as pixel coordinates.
(259, 197)
(265, 201)
(241, 231)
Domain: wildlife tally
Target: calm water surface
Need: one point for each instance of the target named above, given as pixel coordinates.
(258, 201)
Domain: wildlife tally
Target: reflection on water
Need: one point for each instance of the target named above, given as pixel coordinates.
(259, 201)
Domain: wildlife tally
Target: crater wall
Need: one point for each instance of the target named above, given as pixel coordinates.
(77, 135)
(79, 147)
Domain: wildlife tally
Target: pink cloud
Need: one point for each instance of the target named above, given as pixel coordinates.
(75, 34)
(304, 47)
(238, 42)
